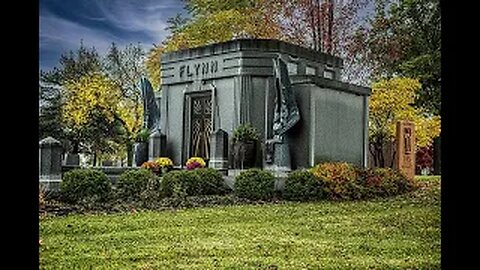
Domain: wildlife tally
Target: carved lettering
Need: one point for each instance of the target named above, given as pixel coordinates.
(182, 70)
(189, 74)
(214, 66)
(204, 68)
(198, 69)
(407, 140)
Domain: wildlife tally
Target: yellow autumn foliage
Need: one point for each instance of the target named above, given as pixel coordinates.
(392, 100)
(89, 93)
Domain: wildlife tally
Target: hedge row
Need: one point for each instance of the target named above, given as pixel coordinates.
(326, 181)
(88, 185)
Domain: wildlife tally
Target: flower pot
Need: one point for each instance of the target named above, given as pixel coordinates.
(140, 153)
(244, 155)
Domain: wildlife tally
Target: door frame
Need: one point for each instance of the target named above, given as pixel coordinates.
(187, 119)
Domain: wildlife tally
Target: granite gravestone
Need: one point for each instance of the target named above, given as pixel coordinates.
(50, 159)
(405, 138)
(219, 150)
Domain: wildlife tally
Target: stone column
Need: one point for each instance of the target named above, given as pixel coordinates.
(157, 145)
(405, 152)
(219, 150)
(50, 163)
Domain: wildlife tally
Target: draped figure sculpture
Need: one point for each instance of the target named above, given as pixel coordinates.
(151, 112)
(286, 115)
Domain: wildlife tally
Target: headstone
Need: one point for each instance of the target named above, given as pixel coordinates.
(140, 154)
(107, 163)
(72, 159)
(405, 161)
(219, 150)
(50, 159)
(157, 145)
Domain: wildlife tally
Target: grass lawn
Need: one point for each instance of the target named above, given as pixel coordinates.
(395, 233)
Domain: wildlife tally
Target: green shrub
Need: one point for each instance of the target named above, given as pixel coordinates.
(179, 184)
(82, 185)
(152, 192)
(132, 182)
(142, 135)
(255, 184)
(302, 185)
(339, 180)
(210, 182)
(245, 133)
(384, 182)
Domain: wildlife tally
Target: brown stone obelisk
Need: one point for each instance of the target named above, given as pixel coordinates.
(405, 161)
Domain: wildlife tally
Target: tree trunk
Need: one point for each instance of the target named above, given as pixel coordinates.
(129, 146)
(371, 148)
(314, 31)
(94, 158)
(75, 147)
(319, 26)
(437, 157)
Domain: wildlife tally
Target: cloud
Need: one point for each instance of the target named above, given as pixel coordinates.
(148, 17)
(102, 22)
(57, 33)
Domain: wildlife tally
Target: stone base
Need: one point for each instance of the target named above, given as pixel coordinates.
(50, 185)
(281, 157)
(219, 164)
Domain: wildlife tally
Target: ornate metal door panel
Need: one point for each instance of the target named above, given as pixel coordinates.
(201, 126)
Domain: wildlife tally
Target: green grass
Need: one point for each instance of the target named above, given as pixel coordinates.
(395, 233)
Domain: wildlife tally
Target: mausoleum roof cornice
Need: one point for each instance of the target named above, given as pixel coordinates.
(331, 84)
(260, 45)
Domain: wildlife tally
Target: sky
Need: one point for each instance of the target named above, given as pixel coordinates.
(98, 23)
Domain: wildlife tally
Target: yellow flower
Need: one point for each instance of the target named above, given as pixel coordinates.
(196, 159)
(164, 162)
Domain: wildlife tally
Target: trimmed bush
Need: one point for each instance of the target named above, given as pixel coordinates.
(255, 184)
(132, 182)
(153, 191)
(384, 182)
(80, 185)
(339, 180)
(210, 182)
(302, 185)
(179, 184)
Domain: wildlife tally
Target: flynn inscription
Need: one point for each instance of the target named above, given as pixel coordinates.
(198, 69)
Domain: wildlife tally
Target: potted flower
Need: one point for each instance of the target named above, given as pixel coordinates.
(195, 163)
(164, 164)
(152, 166)
(141, 147)
(244, 141)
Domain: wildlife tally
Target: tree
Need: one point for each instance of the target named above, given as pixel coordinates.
(392, 100)
(404, 39)
(72, 66)
(50, 117)
(125, 68)
(91, 111)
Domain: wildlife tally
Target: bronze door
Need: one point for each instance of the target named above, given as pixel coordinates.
(201, 126)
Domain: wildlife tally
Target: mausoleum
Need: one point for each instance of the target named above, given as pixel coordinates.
(220, 86)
